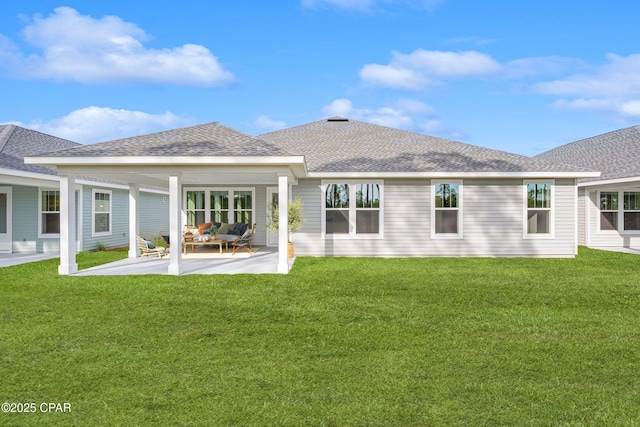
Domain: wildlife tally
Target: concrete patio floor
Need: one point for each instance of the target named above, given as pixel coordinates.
(264, 260)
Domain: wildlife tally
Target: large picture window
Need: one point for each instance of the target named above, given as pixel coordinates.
(49, 213)
(352, 209)
(101, 212)
(223, 205)
(539, 204)
(446, 212)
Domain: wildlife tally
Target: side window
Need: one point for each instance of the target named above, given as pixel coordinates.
(447, 208)
(49, 212)
(539, 205)
(631, 211)
(101, 212)
(608, 210)
(337, 209)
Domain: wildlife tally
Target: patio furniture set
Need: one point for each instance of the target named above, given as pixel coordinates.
(238, 236)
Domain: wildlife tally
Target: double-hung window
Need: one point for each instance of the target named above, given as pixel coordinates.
(619, 211)
(219, 206)
(49, 213)
(352, 209)
(631, 211)
(101, 212)
(539, 208)
(195, 207)
(608, 210)
(446, 217)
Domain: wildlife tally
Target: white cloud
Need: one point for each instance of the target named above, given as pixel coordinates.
(423, 68)
(619, 77)
(405, 114)
(109, 50)
(368, 5)
(612, 89)
(96, 124)
(625, 110)
(265, 123)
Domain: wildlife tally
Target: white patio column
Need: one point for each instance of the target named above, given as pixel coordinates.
(68, 263)
(134, 219)
(283, 223)
(175, 226)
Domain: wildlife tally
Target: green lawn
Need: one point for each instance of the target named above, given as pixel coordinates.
(355, 341)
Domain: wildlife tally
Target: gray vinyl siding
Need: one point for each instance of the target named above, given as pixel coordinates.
(119, 219)
(493, 222)
(154, 213)
(582, 216)
(154, 217)
(25, 223)
(607, 239)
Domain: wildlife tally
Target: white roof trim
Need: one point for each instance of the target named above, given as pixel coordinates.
(30, 175)
(283, 160)
(166, 160)
(609, 181)
(436, 174)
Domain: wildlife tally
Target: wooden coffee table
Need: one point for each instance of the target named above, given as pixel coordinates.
(193, 244)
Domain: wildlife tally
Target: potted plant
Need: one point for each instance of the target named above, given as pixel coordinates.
(295, 222)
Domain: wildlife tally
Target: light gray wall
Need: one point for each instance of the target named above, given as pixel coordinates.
(493, 217)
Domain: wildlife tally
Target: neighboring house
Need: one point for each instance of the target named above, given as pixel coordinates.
(609, 205)
(367, 190)
(30, 200)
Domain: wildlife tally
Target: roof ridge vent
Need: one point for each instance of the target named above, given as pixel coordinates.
(337, 119)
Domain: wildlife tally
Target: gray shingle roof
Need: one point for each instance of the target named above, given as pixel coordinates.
(210, 139)
(616, 154)
(17, 142)
(341, 145)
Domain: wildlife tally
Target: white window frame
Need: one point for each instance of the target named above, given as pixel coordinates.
(352, 210)
(41, 234)
(621, 211)
(207, 201)
(525, 210)
(459, 234)
(599, 211)
(621, 224)
(93, 213)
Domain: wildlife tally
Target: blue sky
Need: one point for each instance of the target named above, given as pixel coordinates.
(521, 76)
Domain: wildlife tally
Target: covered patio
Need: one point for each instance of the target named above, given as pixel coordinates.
(206, 156)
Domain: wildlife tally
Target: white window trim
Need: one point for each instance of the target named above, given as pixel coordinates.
(352, 235)
(207, 201)
(93, 213)
(621, 211)
(598, 212)
(42, 235)
(525, 206)
(459, 234)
